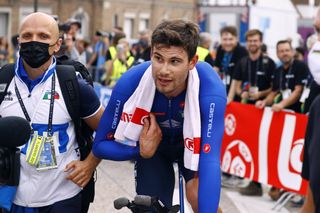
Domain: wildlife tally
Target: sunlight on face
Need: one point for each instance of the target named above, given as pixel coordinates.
(170, 68)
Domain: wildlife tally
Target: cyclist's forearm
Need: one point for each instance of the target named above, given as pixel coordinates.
(112, 150)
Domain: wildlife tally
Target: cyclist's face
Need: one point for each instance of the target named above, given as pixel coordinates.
(170, 68)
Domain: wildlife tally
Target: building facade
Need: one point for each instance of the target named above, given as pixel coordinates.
(132, 16)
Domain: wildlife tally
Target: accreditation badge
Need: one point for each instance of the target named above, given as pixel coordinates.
(48, 159)
(286, 93)
(227, 79)
(253, 90)
(34, 149)
(305, 94)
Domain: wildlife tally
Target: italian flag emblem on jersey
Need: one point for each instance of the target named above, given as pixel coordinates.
(47, 95)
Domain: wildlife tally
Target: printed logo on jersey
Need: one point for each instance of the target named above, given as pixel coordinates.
(192, 144)
(181, 110)
(110, 136)
(116, 115)
(210, 121)
(47, 95)
(8, 96)
(206, 148)
(181, 104)
(159, 113)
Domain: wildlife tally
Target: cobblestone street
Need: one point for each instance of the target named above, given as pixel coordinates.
(116, 179)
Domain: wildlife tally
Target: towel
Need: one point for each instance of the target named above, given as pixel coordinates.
(138, 107)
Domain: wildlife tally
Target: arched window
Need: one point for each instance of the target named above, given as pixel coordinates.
(83, 17)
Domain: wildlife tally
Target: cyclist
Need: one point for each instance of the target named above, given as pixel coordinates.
(187, 103)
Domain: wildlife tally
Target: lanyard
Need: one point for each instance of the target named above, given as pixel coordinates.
(51, 104)
(286, 84)
(255, 73)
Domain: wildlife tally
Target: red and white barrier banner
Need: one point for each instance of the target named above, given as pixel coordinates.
(264, 146)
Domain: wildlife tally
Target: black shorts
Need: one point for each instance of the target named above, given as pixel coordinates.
(155, 176)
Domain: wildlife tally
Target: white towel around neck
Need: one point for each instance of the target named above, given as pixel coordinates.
(138, 106)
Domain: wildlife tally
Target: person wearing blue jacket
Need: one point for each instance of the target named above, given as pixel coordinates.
(161, 141)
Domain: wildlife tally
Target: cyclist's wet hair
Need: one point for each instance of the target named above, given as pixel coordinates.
(180, 33)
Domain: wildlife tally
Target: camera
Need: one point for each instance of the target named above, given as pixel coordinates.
(9, 166)
(65, 27)
(14, 132)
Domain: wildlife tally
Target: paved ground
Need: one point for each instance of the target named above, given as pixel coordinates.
(116, 179)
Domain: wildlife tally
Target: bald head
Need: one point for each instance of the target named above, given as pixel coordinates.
(205, 39)
(41, 21)
(39, 40)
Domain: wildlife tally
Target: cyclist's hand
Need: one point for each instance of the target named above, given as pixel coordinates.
(150, 137)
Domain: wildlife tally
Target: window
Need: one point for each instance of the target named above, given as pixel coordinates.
(4, 23)
(128, 27)
(115, 22)
(83, 18)
(144, 21)
(144, 24)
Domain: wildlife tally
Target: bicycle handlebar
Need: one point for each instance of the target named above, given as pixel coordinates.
(144, 202)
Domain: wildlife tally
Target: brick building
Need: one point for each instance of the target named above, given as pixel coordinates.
(132, 15)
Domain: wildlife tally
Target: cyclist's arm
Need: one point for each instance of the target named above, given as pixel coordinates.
(212, 129)
(104, 145)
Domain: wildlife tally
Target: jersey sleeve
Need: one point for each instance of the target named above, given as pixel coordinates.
(89, 101)
(212, 129)
(212, 108)
(104, 145)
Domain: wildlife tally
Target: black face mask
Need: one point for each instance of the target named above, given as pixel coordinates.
(34, 53)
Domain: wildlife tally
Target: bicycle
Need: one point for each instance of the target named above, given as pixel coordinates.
(143, 203)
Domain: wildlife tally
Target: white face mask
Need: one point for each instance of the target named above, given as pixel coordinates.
(314, 62)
